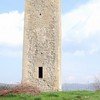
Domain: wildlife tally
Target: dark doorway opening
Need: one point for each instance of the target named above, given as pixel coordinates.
(40, 72)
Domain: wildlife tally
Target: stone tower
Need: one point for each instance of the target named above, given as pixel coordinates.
(42, 44)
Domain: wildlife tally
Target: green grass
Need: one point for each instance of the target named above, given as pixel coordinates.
(74, 95)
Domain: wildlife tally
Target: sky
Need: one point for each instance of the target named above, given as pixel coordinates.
(80, 40)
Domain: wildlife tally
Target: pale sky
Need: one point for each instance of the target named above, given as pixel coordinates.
(80, 40)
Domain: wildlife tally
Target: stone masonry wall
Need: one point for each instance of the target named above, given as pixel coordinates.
(42, 44)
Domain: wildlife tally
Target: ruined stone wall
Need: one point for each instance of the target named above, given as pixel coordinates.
(42, 44)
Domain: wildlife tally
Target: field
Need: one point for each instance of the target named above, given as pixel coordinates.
(73, 95)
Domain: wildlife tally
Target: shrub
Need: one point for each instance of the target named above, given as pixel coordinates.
(37, 98)
(53, 95)
(97, 83)
(3, 87)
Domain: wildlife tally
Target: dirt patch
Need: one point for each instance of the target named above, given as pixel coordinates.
(21, 89)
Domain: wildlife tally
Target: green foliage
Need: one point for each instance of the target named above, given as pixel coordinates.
(11, 95)
(53, 95)
(72, 95)
(37, 98)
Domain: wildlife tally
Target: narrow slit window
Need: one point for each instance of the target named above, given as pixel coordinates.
(40, 72)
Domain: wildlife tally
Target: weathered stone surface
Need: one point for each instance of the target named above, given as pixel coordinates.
(42, 44)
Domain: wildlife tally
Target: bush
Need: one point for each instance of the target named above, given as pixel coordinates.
(3, 87)
(53, 95)
(37, 98)
(97, 83)
(20, 89)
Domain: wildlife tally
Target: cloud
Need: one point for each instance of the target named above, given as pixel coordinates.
(76, 73)
(11, 28)
(76, 53)
(11, 34)
(82, 22)
(15, 52)
(81, 27)
(81, 43)
(79, 79)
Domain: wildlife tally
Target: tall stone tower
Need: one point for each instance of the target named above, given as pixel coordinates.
(42, 44)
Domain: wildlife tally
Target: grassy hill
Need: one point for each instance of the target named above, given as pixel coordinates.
(73, 95)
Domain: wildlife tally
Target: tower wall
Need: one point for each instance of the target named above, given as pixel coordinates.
(42, 44)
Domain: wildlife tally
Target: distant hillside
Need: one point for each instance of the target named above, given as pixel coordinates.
(65, 87)
(71, 87)
(6, 86)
